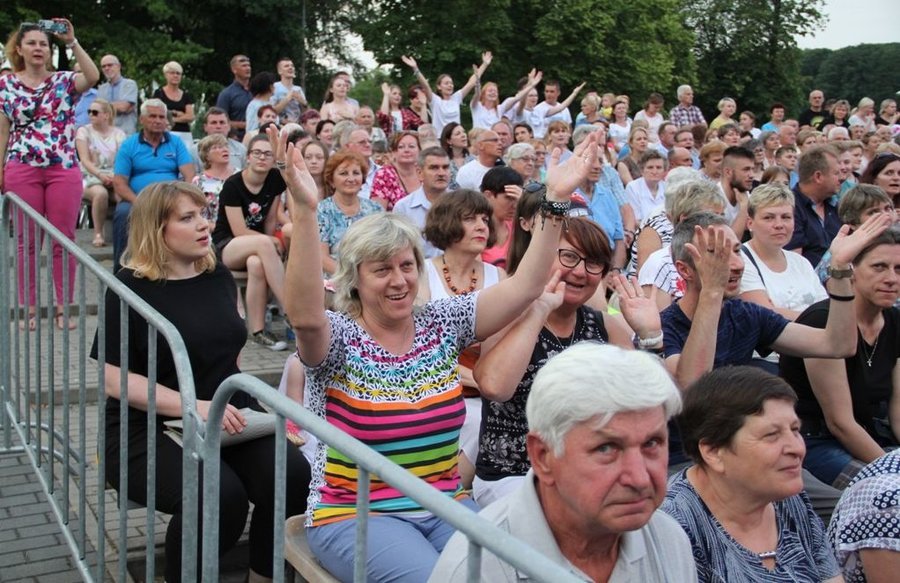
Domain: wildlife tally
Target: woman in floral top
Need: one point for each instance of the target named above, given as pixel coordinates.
(37, 145)
(394, 181)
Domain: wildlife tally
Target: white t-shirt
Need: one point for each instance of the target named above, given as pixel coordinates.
(654, 120)
(471, 174)
(644, 202)
(619, 134)
(482, 117)
(541, 117)
(444, 111)
(795, 288)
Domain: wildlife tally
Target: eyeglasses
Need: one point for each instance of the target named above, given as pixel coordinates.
(526, 158)
(261, 154)
(570, 259)
(94, 112)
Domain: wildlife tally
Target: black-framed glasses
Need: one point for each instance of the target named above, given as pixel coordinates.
(261, 154)
(570, 259)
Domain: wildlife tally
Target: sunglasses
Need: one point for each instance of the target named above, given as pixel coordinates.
(94, 112)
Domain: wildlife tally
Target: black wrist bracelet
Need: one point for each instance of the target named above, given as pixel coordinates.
(838, 298)
(555, 208)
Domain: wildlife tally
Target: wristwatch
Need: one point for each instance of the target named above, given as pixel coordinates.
(839, 273)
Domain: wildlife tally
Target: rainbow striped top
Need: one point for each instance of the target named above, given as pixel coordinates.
(409, 408)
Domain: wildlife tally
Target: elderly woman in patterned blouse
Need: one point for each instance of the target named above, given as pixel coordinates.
(742, 502)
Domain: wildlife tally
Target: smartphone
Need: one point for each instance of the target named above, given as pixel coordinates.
(53, 26)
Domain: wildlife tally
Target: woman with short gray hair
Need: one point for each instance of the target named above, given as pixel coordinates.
(178, 101)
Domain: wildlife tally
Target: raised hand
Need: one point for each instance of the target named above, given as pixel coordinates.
(563, 179)
(711, 252)
(641, 312)
(486, 58)
(578, 89)
(68, 36)
(301, 185)
(409, 61)
(385, 89)
(846, 246)
(553, 295)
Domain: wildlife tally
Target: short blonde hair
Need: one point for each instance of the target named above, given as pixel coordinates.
(771, 194)
(147, 253)
(373, 238)
(173, 67)
(207, 144)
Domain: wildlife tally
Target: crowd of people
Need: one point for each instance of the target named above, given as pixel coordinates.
(654, 348)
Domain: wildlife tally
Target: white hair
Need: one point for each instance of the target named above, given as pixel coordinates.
(591, 380)
(682, 89)
(517, 151)
(153, 102)
(838, 131)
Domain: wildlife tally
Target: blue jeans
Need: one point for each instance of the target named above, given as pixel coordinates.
(825, 458)
(401, 548)
(120, 232)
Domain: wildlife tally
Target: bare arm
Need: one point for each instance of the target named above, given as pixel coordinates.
(505, 356)
(833, 341)
(89, 74)
(411, 62)
(187, 171)
(699, 350)
(186, 116)
(303, 290)
(475, 79)
(498, 305)
(329, 265)
(881, 565)
(122, 188)
(624, 174)
(84, 156)
(761, 297)
(385, 99)
(565, 103)
(894, 406)
(168, 401)
(828, 379)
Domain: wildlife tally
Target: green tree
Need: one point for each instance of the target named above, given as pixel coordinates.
(859, 71)
(632, 48)
(747, 49)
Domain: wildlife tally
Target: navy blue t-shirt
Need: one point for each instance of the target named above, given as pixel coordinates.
(743, 328)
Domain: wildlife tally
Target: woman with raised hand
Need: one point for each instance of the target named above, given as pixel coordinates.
(394, 118)
(487, 108)
(170, 264)
(378, 355)
(37, 148)
(559, 319)
(445, 102)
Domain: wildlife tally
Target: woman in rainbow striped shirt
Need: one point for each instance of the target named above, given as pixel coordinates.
(386, 373)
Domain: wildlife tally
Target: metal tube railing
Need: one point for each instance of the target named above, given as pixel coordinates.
(480, 532)
(27, 363)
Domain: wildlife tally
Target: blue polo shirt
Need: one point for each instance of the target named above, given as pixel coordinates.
(810, 232)
(604, 210)
(143, 164)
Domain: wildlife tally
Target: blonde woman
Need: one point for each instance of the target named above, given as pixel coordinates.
(97, 144)
(179, 102)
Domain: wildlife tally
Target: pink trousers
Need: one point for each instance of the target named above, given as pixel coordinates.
(54, 192)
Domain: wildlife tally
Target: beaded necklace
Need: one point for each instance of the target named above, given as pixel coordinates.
(447, 278)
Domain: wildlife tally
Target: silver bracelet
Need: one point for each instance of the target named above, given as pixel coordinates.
(72, 44)
(650, 342)
(280, 164)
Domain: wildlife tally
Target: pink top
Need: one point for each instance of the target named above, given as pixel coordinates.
(387, 186)
(496, 255)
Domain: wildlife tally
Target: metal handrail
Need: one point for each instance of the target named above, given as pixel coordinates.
(156, 323)
(480, 532)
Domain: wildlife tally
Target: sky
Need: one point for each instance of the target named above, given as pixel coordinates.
(853, 22)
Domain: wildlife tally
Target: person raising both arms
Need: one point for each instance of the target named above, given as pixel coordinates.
(445, 102)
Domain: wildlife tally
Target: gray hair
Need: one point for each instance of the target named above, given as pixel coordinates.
(153, 102)
(593, 381)
(682, 89)
(432, 151)
(517, 151)
(836, 131)
(342, 131)
(373, 238)
(582, 132)
(690, 196)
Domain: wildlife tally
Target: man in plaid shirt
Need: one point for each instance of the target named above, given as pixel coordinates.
(686, 113)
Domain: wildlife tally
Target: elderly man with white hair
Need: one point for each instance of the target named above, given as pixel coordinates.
(686, 113)
(151, 155)
(598, 452)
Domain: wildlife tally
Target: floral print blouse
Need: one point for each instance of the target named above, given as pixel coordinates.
(42, 120)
